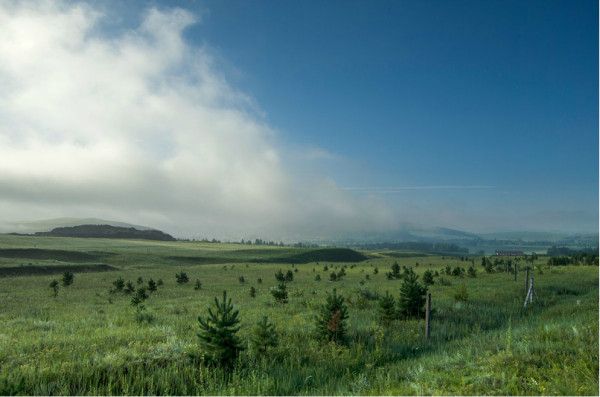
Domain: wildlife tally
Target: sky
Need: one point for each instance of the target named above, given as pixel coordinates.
(286, 119)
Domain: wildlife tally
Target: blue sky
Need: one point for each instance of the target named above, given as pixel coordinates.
(428, 93)
(477, 115)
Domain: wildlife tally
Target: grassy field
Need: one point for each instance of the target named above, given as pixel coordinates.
(89, 341)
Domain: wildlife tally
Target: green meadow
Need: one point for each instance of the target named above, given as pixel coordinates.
(89, 341)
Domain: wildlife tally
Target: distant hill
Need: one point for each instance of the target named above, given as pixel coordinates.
(45, 225)
(107, 231)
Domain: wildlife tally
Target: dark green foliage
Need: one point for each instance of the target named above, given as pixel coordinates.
(182, 278)
(448, 270)
(263, 337)
(259, 280)
(139, 297)
(325, 268)
(333, 276)
(280, 293)
(461, 294)
(387, 308)
(395, 271)
(119, 284)
(198, 285)
(318, 277)
(428, 277)
(279, 276)
(458, 271)
(218, 340)
(471, 272)
(367, 277)
(152, 285)
(289, 276)
(159, 282)
(54, 285)
(252, 292)
(412, 296)
(140, 280)
(129, 287)
(375, 270)
(331, 319)
(241, 279)
(389, 276)
(67, 278)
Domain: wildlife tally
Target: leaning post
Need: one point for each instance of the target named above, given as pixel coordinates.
(428, 316)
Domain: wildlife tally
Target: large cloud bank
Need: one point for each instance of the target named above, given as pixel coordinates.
(138, 125)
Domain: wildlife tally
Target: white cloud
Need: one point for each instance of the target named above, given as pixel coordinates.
(140, 126)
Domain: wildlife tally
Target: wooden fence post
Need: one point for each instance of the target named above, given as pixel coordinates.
(428, 316)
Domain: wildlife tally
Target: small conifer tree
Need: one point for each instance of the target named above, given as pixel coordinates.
(252, 292)
(289, 276)
(218, 339)
(412, 296)
(318, 277)
(280, 293)
(264, 336)
(198, 285)
(471, 272)
(140, 280)
(279, 276)
(182, 278)
(428, 277)
(119, 284)
(55, 286)
(387, 308)
(331, 320)
(129, 287)
(396, 270)
(67, 278)
(152, 285)
(241, 279)
(139, 297)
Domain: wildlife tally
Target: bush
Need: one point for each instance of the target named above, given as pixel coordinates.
(325, 268)
(252, 292)
(67, 278)
(375, 270)
(395, 271)
(152, 285)
(471, 272)
(318, 277)
(119, 284)
(218, 339)
(54, 285)
(333, 276)
(461, 294)
(140, 280)
(331, 320)
(139, 297)
(289, 276)
(198, 285)
(279, 276)
(458, 271)
(448, 270)
(182, 278)
(387, 308)
(280, 293)
(412, 296)
(241, 279)
(428, 277)
(159, 282)
(259, 280)
(263, 337)
(129, 287)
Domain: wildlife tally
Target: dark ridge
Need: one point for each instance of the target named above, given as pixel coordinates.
(58, 255)
(107, 231)
(321, 255)
(30, 270)
(404, 254)
(324, 254)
